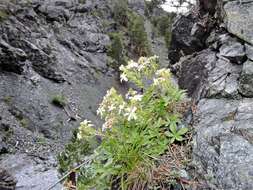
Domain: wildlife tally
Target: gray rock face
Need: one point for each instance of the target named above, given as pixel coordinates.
(206, 74)
(246, 80)
(183, 42)
(223, 144)
(193, 72)
(49, 48)
(249, 51)
(31, 172)
(233, 50)
(190, 30)
(7, 181)
(220, 80)
(239, 19)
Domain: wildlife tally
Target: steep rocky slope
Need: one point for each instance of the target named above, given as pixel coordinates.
(218, 76)
(49, 51)
(52, 53)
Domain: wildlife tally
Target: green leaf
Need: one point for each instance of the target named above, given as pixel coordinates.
(182, 131)
(179, 138)
(172, 140)
(169, 134)
(173, 128)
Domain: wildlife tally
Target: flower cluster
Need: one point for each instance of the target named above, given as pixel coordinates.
(86, 130)
(137, 71)
(110, 104)
(134, 96)
(137, 127)
(162, 76)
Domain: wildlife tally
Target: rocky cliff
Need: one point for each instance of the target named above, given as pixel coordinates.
(54, 71)
(52, 52)
(215, 50)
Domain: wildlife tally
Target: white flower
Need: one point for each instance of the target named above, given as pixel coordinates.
(111, 108)
(131, 93)
(86, 123)
(100, 111)
(141, 67)
(156, 82)
(163, 72)
(131, 113)
(123, 77)
(137, 97)
(122, 68)
(122, 107)
(79, 136)
(132, 64)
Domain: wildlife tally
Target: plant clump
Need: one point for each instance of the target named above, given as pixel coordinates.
(116, 49)
(138, 129)
(59, 100)
(138, 35)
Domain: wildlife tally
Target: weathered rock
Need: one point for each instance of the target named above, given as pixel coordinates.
(11, 59)
(54, 13)
(223, 80)
(193, 72)
(183, 43)
(223, 144)
(246, 80)
(137, 5)
(31, 173)
(49, 48)
(233, 50)
(239, 19)
(205, 75)
(7, 181)
(249, 51)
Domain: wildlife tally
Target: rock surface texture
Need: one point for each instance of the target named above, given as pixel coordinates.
(48, 49)
(219, 78)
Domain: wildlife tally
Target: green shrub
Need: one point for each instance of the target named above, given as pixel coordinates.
(163, 24)
(59, 100)
(120, 11)
(74, 153)
(137, 130)
(138, 35)
(116, 49)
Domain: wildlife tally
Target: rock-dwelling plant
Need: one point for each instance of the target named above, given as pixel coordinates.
(138, 129)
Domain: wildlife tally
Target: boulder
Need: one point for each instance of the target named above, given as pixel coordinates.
(223, 146)
(193, 72)
(7, 181)
(239, 19)
(206, 74)
(11, 59)
(233, 50)
(223, 80)
(183, 40)
(246, 79)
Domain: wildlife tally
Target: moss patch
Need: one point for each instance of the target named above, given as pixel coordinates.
(59, 100)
